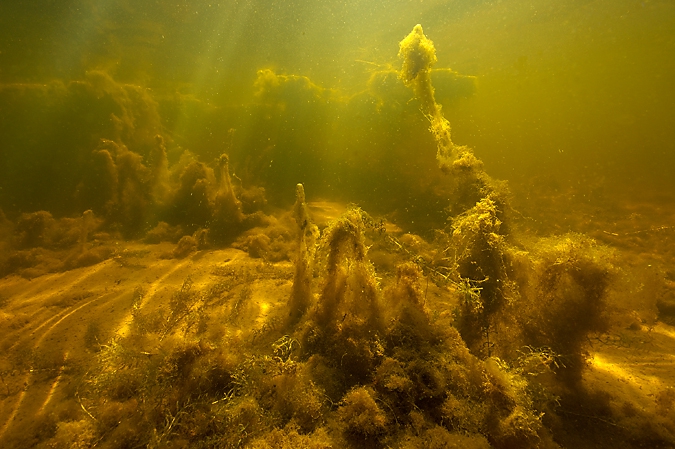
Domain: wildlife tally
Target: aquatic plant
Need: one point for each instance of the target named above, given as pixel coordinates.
(471, 182)
(191, 204)
(419, 55)
(346, 323)
(301, 293)
(227, 208)
(360, 416)
(98, 189)
(567, 299)
(159, 166)
(478, 250)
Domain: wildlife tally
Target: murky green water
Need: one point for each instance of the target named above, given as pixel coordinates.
(576, 91)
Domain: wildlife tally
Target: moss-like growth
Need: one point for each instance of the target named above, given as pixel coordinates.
(134, 189)
(439, 438)
(99, 188)
(74, 435)
(567, 299)
(346, 324)
(164, 232)
(186, 246)
(479, 255)
(32, 229)
(290, 438)
(289, 393)
(228, 209)
(86, 226)
(407, 314)
(419, 55)
(86, 253)
(43, 244)
(121, 188)
(350, 289)
(360, 416)
(275, 242)
(228, 219)
(191, 204)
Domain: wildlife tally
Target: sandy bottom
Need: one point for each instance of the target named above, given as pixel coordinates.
(49, 322)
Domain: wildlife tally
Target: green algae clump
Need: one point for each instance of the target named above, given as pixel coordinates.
(418, 54)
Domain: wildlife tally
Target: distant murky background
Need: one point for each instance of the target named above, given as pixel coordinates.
(567, 96)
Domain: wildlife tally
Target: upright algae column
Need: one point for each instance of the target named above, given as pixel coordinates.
(419, 54)
(308, 232)
(472, 183)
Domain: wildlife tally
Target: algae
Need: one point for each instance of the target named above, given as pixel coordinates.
(301, 294)
(243, 325)
(419, 55)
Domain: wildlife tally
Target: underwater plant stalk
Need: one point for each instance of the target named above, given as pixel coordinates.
(301, 293)
(86, 227)
(419, 54)
(227, 203)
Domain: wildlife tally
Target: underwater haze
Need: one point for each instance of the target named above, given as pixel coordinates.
(577, 92)
(358, 224)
